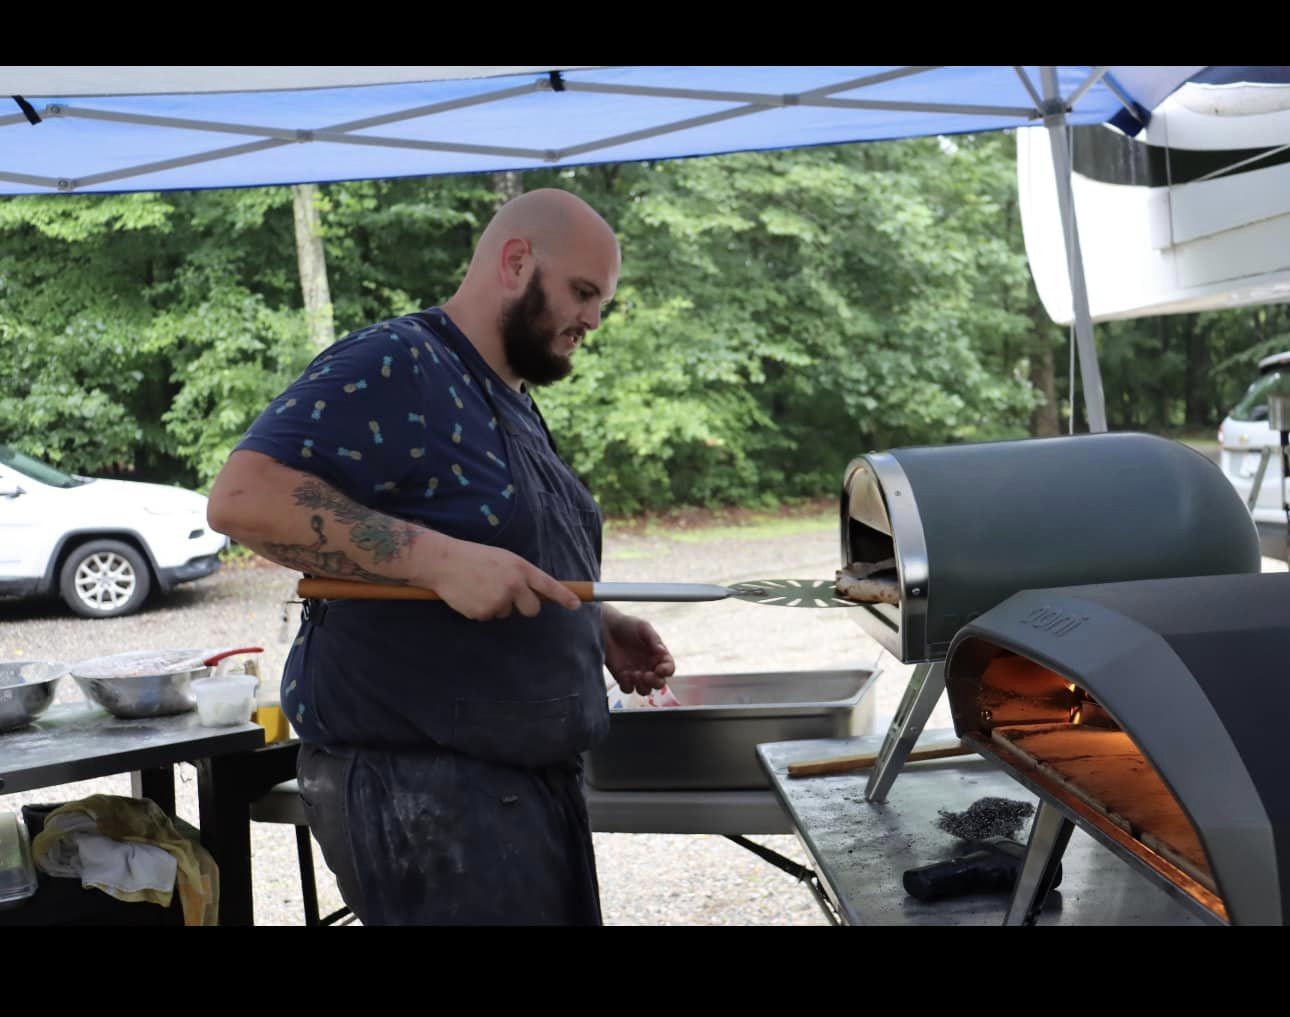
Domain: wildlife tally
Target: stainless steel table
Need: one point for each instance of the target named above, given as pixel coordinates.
(860, 850)
(77, 741)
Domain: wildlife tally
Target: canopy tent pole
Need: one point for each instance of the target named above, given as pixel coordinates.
(1090, 372)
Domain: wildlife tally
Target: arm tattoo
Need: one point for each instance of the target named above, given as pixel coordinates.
(382, 537)
(336, 564)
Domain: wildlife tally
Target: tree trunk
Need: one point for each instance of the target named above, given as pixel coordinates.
(1161, 385)
(507, 185)
(313, 266)
(1044, 420)
(1200, 381)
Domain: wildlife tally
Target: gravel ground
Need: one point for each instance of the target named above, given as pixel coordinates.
(646, 879)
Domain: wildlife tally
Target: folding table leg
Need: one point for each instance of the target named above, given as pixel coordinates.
(308, 885)
(225, 805)
(156, 784)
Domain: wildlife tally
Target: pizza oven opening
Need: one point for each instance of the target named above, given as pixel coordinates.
(1150, 714)
(1072, 750)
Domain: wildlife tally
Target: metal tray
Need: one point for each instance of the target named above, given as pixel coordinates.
(709, 743)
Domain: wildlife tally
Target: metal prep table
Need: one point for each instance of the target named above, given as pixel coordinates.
(860, 849)
(78, 741)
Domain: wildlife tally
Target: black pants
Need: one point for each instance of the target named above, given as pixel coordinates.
(434, 837)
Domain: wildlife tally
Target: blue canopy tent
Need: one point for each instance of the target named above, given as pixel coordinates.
(86, 130)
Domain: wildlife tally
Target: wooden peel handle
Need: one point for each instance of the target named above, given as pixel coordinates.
(348, 589)
(848, 764)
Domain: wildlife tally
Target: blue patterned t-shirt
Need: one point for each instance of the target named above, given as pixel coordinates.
(392, 417)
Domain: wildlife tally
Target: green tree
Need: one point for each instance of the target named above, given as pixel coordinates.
(780, 312)
(777, 314)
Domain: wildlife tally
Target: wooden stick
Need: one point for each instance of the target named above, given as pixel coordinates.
(848, 764)
(348, 589)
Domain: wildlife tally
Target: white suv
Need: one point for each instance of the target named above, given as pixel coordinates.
(102, 545)
(1243, 436)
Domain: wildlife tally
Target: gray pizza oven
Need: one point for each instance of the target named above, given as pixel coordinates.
(1153, 715)
(969, 525)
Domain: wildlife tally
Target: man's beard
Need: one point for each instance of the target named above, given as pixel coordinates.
(528, 337)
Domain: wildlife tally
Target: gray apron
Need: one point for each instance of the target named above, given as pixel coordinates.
(449, 789)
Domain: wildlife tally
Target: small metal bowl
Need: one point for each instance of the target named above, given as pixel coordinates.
(142, 684)
(27, 688)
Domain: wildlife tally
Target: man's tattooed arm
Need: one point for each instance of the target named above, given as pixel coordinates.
(333, 564)
(298, 520)
(381, 536)
(294, 518)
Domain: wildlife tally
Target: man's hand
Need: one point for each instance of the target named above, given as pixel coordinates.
(483, 582)
(634, 653)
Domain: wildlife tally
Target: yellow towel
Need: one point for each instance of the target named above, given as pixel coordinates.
(140, 821)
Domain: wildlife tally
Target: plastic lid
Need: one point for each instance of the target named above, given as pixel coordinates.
(17, 874)
(240, 683)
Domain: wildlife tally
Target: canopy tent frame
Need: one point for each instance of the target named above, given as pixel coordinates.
(1089, 368)
(1046, 106)
(343, 133)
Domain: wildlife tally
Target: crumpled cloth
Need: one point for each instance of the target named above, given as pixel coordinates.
(129, 849)
(76, 848)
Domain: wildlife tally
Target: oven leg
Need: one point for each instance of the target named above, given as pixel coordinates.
(1048, 839)
(921, 696)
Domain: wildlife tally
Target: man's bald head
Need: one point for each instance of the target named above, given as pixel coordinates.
(544, 268)
(551, 219)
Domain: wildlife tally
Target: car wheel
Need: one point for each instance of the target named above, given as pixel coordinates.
(104, 579)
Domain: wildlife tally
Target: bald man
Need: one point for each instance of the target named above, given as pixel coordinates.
(441, 741)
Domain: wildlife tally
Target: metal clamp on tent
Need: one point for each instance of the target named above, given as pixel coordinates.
(28, 110)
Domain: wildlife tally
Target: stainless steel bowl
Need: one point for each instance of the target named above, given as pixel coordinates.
(145, 683)
(27, 688)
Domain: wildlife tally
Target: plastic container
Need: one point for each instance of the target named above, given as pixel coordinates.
(268, 710)
(268, 714)
(225, 700)
(17, 873)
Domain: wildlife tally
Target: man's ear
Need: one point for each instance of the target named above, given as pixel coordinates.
(516, 253)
